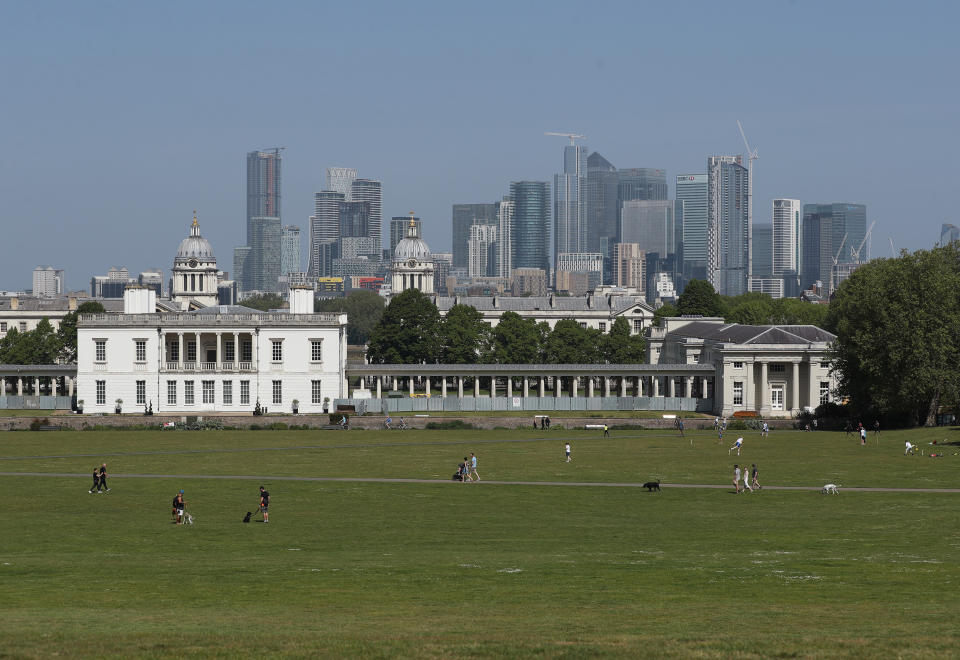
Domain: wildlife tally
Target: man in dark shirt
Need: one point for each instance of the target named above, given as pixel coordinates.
(96, 480)
(178, 506)
(103, 477)
(264, 503)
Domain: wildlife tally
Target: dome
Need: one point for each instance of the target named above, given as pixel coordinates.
(412, 246)
(195, 246)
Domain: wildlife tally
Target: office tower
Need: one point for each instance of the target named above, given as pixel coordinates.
(263, 262)
(786, 235)
(601, 193)
(641, 183)
(505, 238)
(762, 250)
(354, 219)
(322, 256)
(949, 233)
(152, 278)
(629, 266)
(48, 282)
(398, 230)
(339, 179)
(442, 261)
(691, 216)
(570, 202)
(848, 226)
(590, 263)
(289, 250)
(324, 225)
(241, 257)
(263, 186)
(371, 192)
(464, 217)
(528, 282)
(531, 225)
(728, 230)
(648, 223)
(817, 248)
(351, 247)
(482, 251)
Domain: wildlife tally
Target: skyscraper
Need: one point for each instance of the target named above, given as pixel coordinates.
(263, 263)
(263, 185)
(324, 224)
(505, 238)
(48, 282)
(949, 233)
(465, 216)
(482, 251)
(370, 191)
(641, 183)
(570, 202)
(728, 230)
(691, 216)
(398, 230)
(290, 250)
(786, 236)
(354, 219)
(763, 250)
(649, 224)
(817, 248)
(847, 226)
(602, 204)
(531, 224)
(629, 266)
(339, 179)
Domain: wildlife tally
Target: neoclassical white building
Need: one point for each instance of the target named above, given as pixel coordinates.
(412, 263)
(194, 280)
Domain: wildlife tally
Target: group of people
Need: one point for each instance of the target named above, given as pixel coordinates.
(862, 430)
(544, 422)
(100, 479)
(180, 515)
(467, 469)
(388, 423)
(748, 477)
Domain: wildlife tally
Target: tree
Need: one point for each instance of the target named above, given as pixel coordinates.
(38, 346)
(67, 333)
(464, 336)
(749, 309)
(698, 297)
(265, 302)
(364, 309)
(516, 340)
(408, 332)
(620, 347)
(897, 323)
(665, 310)
(571, 344)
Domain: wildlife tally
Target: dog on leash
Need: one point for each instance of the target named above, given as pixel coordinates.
(246, 518)
(652, 486)
(832, 489)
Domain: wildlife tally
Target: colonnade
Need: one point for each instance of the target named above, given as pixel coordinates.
(198, 363)
(34, 385)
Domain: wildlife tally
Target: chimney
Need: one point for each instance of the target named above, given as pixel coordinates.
(552, 301)
(301, 299)
(14, 303)
(139, 299)
(495, 304)
(590, 300)
(72, 303)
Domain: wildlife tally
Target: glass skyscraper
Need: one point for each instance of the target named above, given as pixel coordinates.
(290, 250)
(263, 263)
(531, 224)
(263, 186)
(370, 191)
(398, 230)
(728, 230)
(324, 225)
(847, 227)
(649, 224)
(786, 236)
(691, 192)
(570, 202)
(464, 217)
(763, 258)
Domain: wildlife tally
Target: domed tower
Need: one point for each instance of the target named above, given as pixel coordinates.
(412, 263)
(194, 270)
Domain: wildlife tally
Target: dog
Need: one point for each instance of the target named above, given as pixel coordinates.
(246, 518)
(831, 489)
(652, 486)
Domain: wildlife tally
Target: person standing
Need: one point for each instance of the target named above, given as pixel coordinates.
(746, 480)
(765, 431)
(567, 450)
(179, 504)
(606, 431)
(754, 473)
(736, 478)
(473, 465)
(103, 477)
(265, 504)
(466, 469)
(96, 480)
(863, 435)
(876, 427)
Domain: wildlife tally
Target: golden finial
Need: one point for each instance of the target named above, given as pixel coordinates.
(412, 221)
(195, 223)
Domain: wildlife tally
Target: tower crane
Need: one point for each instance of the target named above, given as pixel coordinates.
(856, 253)
(834, 268)
(573, 136)
(893, 248)
(752, 155)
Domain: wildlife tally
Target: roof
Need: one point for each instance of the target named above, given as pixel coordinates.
(228, 309)
(736, 333)
(60, 304)
(614, 304)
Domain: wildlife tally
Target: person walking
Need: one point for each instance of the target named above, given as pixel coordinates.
(265, 504)
(736, 478)
(679, 425)
(567, 450)
(473, 465)
(746, 480)
(179, 504)
(765, 430)
(103, 477)
(96, 480)
(606, 431)
(754, 473)
(466, 469)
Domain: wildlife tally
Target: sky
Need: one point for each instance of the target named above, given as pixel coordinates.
(119, 119)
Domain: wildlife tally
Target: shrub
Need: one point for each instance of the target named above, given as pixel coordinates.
(37, 423)
(746, 414)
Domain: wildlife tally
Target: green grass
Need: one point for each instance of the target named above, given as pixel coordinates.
(443, 569)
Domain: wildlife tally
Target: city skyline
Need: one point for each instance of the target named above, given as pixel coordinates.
(834, 143)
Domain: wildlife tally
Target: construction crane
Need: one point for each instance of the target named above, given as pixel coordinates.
(856, 253)
(752, 155)
(572, 136)
(893, 248)
(835, 269)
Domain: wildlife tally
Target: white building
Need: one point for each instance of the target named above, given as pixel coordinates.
(787, 214)
(481, 251)
(218, 359)
(48, 282)
(412, 263)
(194, 281)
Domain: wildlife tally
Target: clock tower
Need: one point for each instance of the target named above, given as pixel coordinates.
(412, 263)
(194, 271)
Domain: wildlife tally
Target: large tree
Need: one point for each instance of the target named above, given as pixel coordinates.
(569, 343)
(699, 297)
(408, 332)
(898, 334)
(620, 347)
(68, 329)
(265, 302)
(516, 340)
(38, 346)
(364, 309)
(464, 336)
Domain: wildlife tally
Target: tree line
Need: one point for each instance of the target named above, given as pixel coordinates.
(43, 344)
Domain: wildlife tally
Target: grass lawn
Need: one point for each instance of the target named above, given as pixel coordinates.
(442, 569)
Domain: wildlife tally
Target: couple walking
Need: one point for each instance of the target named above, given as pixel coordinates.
(468, 468)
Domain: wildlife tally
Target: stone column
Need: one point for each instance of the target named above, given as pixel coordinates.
(396, 384)
(19, 385)
(443, 387)
(379, 393)
(410, 382)
(476, 386)
(3, 386)
(590, 387)
(813, 385)
(36, 386)
(656, 386)
(236, 350)
(180, 356)
(526, 387)
(493, 386)
(764, 390)
(606, 386)
(427, 388)
(542, 387)
(255, 353)
(509, 387)
(70, 386)
(623, 386)
(690, 390)
(795, 386)
(459, 387)
(557, 386)
(219, 354)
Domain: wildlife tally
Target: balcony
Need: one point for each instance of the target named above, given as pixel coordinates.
(208, 367)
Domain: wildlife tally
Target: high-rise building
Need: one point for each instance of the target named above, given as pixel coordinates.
(649, 224)
(339, 179)
(817, 249)
(371, 192)
(505, 238)
(629, 265)
(570, 202)
(762, 250)
(691, 216)
(354, 219)
(728, 229)
(398, 230)
(602, 205)
(949, 233)
(263, 262)
(263, 185)
(529, 282)
(152, 278)
(787, 214)
(324, 225)
(848, 228)
(464, 217)
(590, 263)
(482, 251)
(48, 282)
(241, 258)
(531, 224)
(289, 249)
(641, 183)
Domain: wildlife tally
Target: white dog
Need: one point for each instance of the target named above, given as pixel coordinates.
(831, 489)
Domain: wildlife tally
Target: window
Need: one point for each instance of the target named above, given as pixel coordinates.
(228, 351)
(141, 350)
(244, 392)
(316, 350)
(824, 391)
(246, 350)
(23, 326)
(696, 357)
(191, 351)
(188, 392)
(101, 392)
(824, 365)
(171, 392)
(637, 326)
(277, 392)
(602, 326)
(141, 392)
(101, 352)
(207, 391)
(316, 392)
(583, 324)
(175, 352)
(228, 392)
(778, 368)
(737, 393)
(276, 352)
(738, 365)
(3, 326)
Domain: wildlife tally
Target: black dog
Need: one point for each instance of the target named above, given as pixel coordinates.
(246, 518)
(652, 486)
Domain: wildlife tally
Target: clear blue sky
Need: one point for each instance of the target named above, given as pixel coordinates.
(120, 118)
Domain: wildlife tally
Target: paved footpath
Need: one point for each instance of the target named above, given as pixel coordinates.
(592, 484)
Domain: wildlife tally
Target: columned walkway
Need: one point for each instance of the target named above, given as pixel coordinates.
(45, 386)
